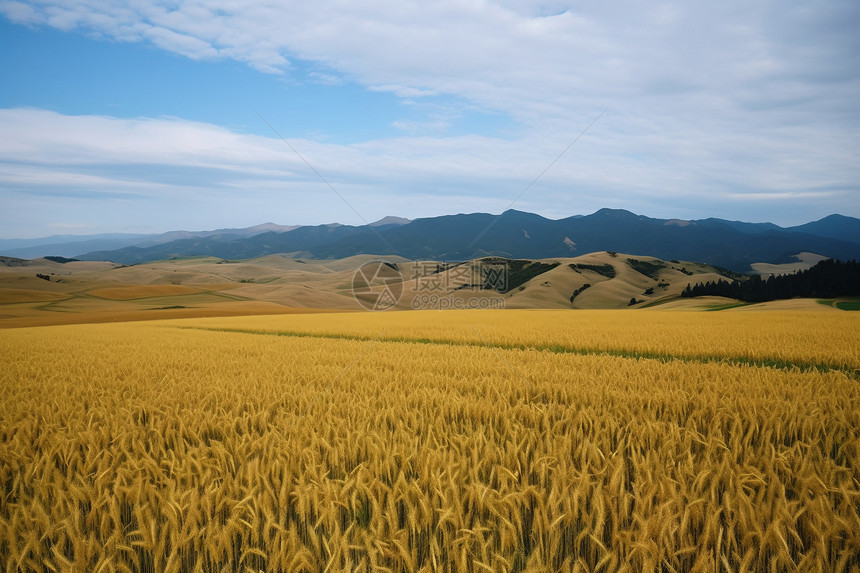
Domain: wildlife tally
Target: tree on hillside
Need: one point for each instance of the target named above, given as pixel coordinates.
(828, 279)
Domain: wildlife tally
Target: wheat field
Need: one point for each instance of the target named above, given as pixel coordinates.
(425, 441)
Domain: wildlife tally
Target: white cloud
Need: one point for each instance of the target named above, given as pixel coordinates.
(438, 126)
(403, 91)
(184, 44)
(530, 59)
(21, 13)
(171, 168)
(706, 101)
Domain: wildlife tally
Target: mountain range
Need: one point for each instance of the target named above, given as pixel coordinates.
(734, 245)
(71, 245)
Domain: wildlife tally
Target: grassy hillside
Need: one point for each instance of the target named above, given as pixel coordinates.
(42, 291)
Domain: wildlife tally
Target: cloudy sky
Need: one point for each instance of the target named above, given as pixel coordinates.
(140, 116)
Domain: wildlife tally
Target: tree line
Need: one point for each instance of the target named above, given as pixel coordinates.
(828, 279)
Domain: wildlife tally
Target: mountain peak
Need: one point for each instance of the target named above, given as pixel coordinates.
(390, 220)
(522, 215)
(617, 213)
(834, 226)
(834, 217)
(265, 227)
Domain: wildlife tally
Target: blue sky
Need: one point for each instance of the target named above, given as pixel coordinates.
(146, 116)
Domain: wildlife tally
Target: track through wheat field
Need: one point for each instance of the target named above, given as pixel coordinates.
(426, 441)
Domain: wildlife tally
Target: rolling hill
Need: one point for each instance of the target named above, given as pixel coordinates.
(43, 291)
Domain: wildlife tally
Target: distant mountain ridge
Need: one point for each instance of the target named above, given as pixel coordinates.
(71, 245)
(516, 234)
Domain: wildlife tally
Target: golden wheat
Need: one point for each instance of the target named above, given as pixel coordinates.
(803, 337)
(160, 447)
